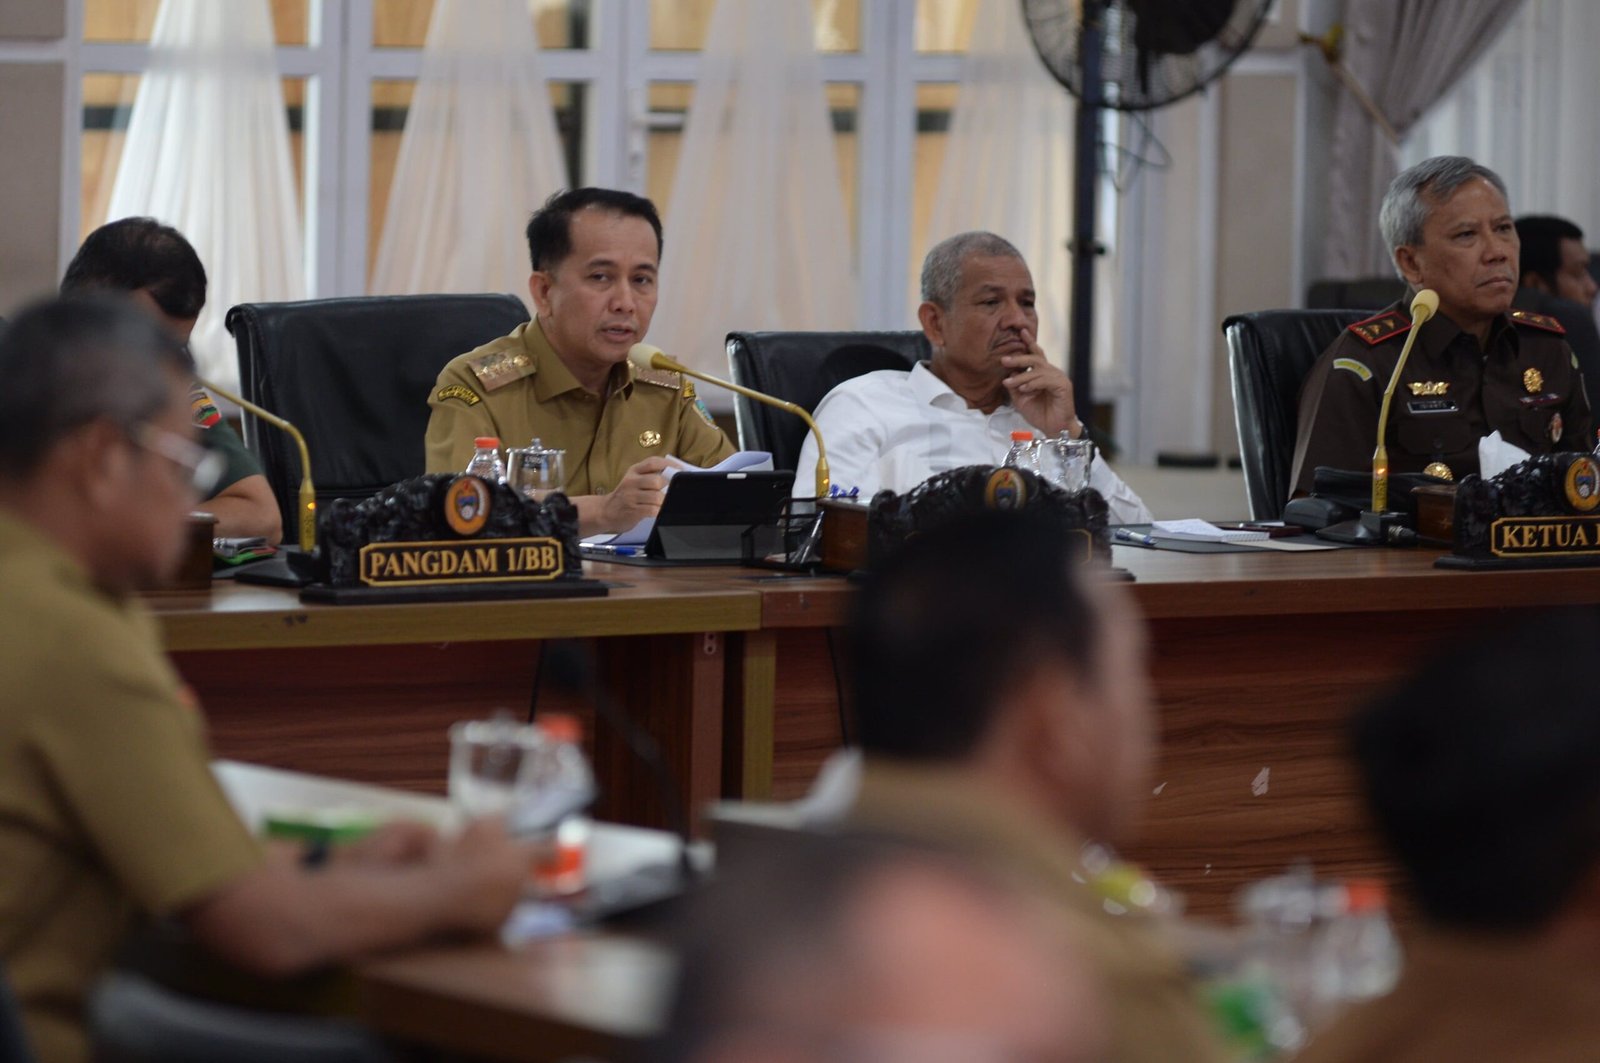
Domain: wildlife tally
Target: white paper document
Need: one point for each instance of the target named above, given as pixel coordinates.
(1194, 530)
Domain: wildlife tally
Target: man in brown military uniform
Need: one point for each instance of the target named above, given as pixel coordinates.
(1476, 368)
(1483, 777)
(564, 378)
(1003, 710)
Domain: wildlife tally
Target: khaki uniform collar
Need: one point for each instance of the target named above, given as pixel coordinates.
(551, 377)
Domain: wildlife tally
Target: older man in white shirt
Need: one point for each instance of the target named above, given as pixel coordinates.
(987, 378)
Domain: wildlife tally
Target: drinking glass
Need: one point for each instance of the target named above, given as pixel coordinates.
(1064, 461)
(535, 471)
(490, 762)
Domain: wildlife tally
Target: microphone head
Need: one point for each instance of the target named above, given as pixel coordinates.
(1424, 305)
(644, 356)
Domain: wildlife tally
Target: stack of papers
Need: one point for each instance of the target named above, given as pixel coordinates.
(1194, 530)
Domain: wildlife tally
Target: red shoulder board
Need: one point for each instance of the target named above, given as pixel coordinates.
(1374, 330)
(1549, 324)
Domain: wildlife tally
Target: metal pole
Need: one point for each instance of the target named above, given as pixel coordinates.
(1086, 173)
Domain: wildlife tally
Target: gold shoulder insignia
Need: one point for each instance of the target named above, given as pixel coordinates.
(661, 378)
(458, 391)
(496, 369)
(1539, 321)
(1374, 330)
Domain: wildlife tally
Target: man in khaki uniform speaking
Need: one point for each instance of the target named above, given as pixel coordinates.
(564, 377)
(108, 808)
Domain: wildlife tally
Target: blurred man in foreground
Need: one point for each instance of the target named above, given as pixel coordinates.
(108, 808)
(1003, 709)
(160, 270)
(842, 949)
(1483, 776)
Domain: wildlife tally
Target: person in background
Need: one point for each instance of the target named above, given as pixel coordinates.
(160, 270)
(1555, 281)
(1478, 367)
(565, 378)
(1482, 773)
(108, 807)
(839, 948)
(1003, 709)
(987, 378)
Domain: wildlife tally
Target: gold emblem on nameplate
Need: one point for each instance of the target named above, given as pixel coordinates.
(467, 505)
(1583, 484)
(1439, 470)
(1005, 490)
(1429, 387)
(1533, 380)
(649, 438)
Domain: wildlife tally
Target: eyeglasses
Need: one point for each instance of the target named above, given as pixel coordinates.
(203, 467)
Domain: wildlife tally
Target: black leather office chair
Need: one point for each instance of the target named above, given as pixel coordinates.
(802, 367)
(1372, 293)
(1270, 353)
(354, 376)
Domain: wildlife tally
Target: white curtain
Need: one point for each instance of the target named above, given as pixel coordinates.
(1526, 110)
(1008, 166)
(207, 151)
(757, 235)
(479, 153)
(1406, 54)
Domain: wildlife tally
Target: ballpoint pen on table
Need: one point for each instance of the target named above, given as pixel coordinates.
(1126, 536)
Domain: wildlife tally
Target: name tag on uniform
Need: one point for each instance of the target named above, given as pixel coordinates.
(1546, 398)
(1426, 406)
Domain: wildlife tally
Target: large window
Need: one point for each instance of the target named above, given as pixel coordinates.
(622, 76)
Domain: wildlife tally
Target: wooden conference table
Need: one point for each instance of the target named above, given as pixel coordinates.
(1257, 661)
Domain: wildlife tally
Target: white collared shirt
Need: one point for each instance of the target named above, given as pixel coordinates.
(893, 429)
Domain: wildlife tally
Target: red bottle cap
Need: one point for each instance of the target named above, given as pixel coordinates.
(561, 727)
(484, 442)
(1021, 437)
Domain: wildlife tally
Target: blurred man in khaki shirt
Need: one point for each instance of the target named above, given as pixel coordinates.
(1003, 709)
(564, 377)
(1483, 777)
(108, 808)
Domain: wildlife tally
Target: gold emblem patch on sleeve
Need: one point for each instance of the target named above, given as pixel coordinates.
(1358, 368)
(458, 391)
(649, 438)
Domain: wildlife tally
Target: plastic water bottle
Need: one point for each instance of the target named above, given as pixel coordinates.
(1359, 951)
(562, 775)
(1021, 455)
(486, 460)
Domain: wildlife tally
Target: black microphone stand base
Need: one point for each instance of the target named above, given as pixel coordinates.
(1389, 528)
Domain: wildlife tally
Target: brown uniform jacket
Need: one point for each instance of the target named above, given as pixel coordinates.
(108, 808)
(516, 388)
(1156, 1013)
(1474, 998)
(1525, 383)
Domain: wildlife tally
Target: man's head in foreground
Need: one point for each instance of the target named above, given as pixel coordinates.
(1483, 774)
(984, 647)
(96, 437)
(840, 948)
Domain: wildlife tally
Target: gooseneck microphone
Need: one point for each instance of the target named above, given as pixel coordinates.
(308, 496)
(646, 356)
(1423, 306)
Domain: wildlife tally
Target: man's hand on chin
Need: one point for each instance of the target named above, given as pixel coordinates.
(1040, 391)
